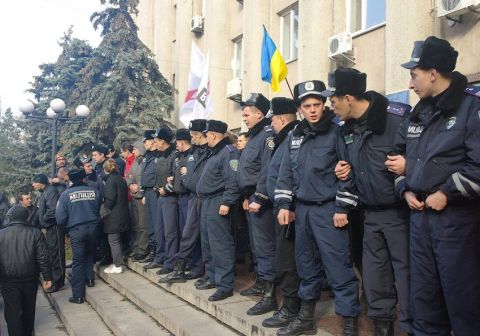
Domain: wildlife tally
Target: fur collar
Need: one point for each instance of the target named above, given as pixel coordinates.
(258, 127)
(321, 127)
(376, 114)
(449, 100)
(283, 134)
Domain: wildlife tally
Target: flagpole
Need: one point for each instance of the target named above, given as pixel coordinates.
(288, 84)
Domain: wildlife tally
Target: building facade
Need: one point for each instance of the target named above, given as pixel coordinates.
(314, 37)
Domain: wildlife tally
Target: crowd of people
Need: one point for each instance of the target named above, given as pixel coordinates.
(364, 180)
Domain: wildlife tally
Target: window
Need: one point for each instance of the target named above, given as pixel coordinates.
(237, 58)
(289, 34)
(365, 14)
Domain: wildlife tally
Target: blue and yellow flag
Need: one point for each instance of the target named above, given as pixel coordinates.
(274, 69)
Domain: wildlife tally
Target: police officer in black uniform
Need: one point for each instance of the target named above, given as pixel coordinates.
(166, 232)
(307, 181)
(190, 247)
(284, 120)
(147, 183)
(218, 189)
(253, 170)
(54, 234)
(78, 211)
(442, 188)
(369, 133)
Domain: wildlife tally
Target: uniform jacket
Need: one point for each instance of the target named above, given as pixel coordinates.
(308, 164)
(195, 164)
(23, 253)
(368, 142)
(179, 162)
(442, 144)
(254, 162)
(78, 205)
(149, 165)
(47, 204)
(116, 203)
(279, 148)
(164, 169)
(219, 176)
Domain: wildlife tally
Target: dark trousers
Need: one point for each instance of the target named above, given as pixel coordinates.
(139, 228)
(166, 232)
(115, 242)
(151, 215)
(218, 248)
(190, 246)
(318, 242)
(182, 211)
(82, 238)
(356, 218)
(263, 234)
(240, 230)
(386, 265)
(445, 270)
(55, 237)
(287, 276)
(19, 310)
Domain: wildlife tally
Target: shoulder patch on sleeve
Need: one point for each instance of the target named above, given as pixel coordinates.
(399, 109)
(234, 165)
(270, 143)
(473, 91)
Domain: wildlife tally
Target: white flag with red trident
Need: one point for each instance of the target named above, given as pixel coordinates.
(198, 101)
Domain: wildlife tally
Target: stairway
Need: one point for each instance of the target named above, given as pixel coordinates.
(134, 303)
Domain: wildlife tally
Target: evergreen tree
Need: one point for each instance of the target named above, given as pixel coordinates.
(122, 83)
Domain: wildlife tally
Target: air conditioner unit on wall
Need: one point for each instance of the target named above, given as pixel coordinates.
(448, 8)
(340, 47)
(234, 89)
(196, 25)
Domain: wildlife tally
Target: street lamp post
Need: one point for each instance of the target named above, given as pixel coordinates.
(56, 116)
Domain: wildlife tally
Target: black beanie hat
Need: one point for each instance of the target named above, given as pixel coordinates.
(17, 214)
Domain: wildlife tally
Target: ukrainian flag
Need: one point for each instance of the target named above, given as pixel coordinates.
(274, 69)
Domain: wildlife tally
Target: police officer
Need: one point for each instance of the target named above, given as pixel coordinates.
(284, 120)
(369, 133)
(166, 234)
(185, 181)
(218, 189)
(78, 211)
(253, 169)
(442, 188)
(183, 142)
(54, 234)
(147, 183)
(307, 173)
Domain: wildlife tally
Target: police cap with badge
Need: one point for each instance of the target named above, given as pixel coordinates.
(433, 53)
(216, 126)
(312, 88)
(346, 81)
(100, 148)
(198, 125)
(257, 100)
(76, 175)
(81, 160)
(164, 134)
(149, 135)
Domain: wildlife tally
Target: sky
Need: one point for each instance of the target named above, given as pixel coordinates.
(29, 35)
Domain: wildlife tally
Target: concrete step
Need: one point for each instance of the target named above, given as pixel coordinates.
(47, 322)
(120, 315)
(178, 316)
(231, 311)
(78, 319)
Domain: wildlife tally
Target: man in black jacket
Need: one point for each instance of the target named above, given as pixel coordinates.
(54, 234)
(25, 200)
(23, 254)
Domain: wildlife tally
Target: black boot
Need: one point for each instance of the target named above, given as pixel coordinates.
(178, 274)
(257, 289)
(383, 328)
(303, 324)
(285, 315)
(268, 303)
(350, 326)
(149, 257)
